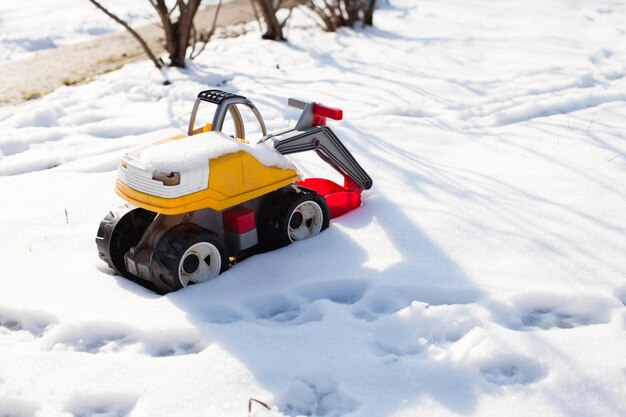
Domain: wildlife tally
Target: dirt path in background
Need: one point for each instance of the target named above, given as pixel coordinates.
(74, 64)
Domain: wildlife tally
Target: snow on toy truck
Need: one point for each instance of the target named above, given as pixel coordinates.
(201, 200)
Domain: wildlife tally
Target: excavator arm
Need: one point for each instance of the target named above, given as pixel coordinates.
(312, 134)
(327, 145)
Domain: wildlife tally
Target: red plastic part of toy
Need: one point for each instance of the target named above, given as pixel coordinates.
(239, 220)
(340, 199)
(321, 112)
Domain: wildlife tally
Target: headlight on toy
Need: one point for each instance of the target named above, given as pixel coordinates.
(167, 178)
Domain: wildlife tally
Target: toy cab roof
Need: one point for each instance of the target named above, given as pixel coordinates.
(219, 96)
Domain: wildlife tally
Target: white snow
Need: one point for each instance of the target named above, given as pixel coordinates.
(196, 150)
(484, 274)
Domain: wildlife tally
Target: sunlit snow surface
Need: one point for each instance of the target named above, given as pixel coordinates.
(484, 274)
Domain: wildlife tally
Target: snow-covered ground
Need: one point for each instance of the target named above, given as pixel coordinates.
(27, 26)
(484, 274)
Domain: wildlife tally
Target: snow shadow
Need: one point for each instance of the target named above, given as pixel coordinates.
(17, 408)
(304, 319)
(104, 337)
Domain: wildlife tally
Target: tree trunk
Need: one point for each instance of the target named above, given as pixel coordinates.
(185, 24)
(342, 13)
(177, 34)
(274, 30)
(368, 18)
(170, 29)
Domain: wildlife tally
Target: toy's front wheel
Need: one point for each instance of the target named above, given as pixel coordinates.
(120, 230)
(187, 254)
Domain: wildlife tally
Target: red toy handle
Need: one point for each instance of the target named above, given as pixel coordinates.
(321, 112)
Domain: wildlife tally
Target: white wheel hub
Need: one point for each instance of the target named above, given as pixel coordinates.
(200, 263)
(305, 221)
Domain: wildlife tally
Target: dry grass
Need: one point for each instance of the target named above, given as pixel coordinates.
(31, 95)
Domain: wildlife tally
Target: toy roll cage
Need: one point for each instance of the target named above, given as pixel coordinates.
(225, 102)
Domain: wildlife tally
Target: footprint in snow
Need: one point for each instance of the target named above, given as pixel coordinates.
(315, 396)
(308, 303)
(101, 405)
(276, 309)
(382, 302)
(17, 408)
(422, 329)
(96, 338)
(217, 314)
(601, 56)
(346, 292)
(512, 369)
(34, 323)
(546, 311)
(620, 294)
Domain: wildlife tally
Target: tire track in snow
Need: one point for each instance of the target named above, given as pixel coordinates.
(602, 83)
(531, 107)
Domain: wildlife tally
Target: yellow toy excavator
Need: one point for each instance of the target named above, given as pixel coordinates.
(203, 200)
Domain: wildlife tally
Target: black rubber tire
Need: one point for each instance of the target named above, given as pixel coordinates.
(166, 257)
(119, 231)
(276, 212)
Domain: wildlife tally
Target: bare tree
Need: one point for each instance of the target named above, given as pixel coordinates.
(334, 14)
(268, 9)
(179, 29)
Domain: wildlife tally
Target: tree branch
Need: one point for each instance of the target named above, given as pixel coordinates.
(205, 37)
(217, 12)
(157, 62)
(282, 25)
(256, 15)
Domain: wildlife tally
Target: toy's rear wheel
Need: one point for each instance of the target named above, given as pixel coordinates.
(120, 230)
(290, 214)
(305, 220)
(187, 254)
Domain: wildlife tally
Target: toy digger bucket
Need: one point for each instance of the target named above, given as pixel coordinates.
(340, 199)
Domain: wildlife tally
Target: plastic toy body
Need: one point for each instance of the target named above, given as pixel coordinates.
(201, 201)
